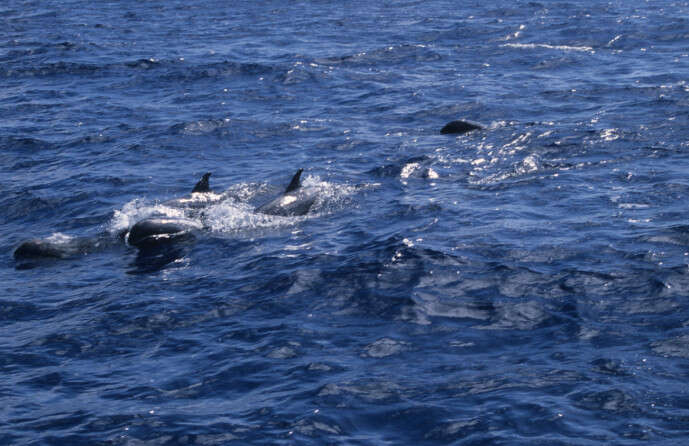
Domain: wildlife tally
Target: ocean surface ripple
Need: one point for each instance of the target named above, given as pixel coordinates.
(522, 284)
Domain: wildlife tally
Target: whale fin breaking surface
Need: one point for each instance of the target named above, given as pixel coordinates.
(295, 183)
(294, 201)
(202, 185)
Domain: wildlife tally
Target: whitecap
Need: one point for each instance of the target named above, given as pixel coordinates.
(587, 49)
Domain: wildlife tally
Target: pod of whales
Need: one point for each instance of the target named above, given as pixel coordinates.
(152, 233)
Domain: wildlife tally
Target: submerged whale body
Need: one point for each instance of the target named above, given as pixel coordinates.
(459, 127)
(60, 246)
(294, 201)
(38, 248)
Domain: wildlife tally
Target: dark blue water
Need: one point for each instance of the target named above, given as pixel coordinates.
(523, 284)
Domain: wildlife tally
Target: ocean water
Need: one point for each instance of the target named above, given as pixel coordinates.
(523, 284)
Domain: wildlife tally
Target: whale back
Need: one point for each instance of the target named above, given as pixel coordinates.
(159, 231)
(293, 202)
(459, 127)
(37, 248)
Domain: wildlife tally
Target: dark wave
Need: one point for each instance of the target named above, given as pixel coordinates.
(390, 55)
(165, 70)
(23, 144)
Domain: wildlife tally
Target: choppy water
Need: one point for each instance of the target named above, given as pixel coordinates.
(523, 284)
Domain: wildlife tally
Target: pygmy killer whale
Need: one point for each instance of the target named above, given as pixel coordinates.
(294, 201)
(157, 231)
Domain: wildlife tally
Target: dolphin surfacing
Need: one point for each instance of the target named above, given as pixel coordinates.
(294, 201)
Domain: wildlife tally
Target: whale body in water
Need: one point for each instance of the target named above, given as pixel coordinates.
(151, 232)
(156, 231)
(294, 201)
(459, 127)
(61, 246)
(52, 248)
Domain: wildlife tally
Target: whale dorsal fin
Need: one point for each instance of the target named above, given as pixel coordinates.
(295, 183)
(202, 185)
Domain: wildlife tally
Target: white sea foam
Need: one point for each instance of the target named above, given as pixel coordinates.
(138, 209)
(586, 49)
(408, 169)
(231, 216)
(59, 238)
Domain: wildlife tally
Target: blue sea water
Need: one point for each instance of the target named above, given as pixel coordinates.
(524, 284)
